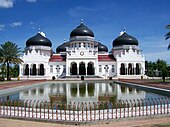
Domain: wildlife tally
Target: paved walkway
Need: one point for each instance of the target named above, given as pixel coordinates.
(136, 122)
(10, 84)
(151, 83)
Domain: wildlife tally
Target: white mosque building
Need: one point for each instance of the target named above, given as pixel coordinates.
(82, 55)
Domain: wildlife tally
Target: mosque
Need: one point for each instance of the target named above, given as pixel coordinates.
(82, 55)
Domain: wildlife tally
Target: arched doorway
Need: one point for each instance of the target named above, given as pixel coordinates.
(34, 69)
(73, 69)
(26, 69)
(137, 69)
(90, 69)
(82, 68)
(41, 69)
(130, 69)
(122, 69)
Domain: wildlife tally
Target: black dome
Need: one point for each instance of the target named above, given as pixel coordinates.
(125, 39)
(62, 47)
(102, 47)
(82, 30)
(38, 40)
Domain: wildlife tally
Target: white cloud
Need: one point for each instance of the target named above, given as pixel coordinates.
(2, 27)
(16, 24)
(6, 3)
(31, 1)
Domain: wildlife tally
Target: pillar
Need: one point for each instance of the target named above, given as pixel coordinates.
(78, 92)
(86, 90)
(78, 68)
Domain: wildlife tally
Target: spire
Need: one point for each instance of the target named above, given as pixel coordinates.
(81, 20)
(39, 30)
(122, 31)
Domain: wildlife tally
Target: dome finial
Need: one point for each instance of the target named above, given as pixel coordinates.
(81, 21)
(123, 30)
(39, 30)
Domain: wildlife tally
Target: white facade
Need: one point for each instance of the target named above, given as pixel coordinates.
(83, 56)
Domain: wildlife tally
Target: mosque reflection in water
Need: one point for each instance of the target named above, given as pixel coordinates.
(81, 92)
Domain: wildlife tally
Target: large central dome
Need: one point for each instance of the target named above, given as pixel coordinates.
(82, 30)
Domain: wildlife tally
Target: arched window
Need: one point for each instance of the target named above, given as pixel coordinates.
(90, 68)
(122, 69)
(82, 68)
(34, 69)
(130, 69)
(100, 68)
(73, 69)
(51, 68)
(137, 69)
(41, 69)
(26, 69)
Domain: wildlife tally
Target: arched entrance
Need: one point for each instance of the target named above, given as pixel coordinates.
(82, 68)
(41, 69)
(130, 69)
(26, 69)
(34, 69)
(73, 69)
(122, 69)
(137, 69)
(90, 69)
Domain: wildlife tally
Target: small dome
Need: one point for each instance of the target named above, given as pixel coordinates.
(62, 47)
(82, 30)
(125, 39)
(38, 39)
(102, 47)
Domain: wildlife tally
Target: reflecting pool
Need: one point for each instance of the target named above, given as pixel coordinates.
(82, 92)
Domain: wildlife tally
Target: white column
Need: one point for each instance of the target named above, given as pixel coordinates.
(95, 67)
(86, 67)
(117, 69)
(134, 68)
(37, 68)
(78, 92)
(30, 70)
(78, 68)
(21, 70)
(67, 71)
(86, 90)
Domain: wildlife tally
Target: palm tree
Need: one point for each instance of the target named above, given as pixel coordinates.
(167, 36)
(9, 54)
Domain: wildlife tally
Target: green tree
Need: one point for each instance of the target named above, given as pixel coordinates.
(161, 64)
(15, 70)
(167, 36)
(9, 54)
(158, 68)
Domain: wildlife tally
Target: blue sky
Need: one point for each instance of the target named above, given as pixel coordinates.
(143, 19)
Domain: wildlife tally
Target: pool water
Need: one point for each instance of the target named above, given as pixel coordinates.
(82, 92)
